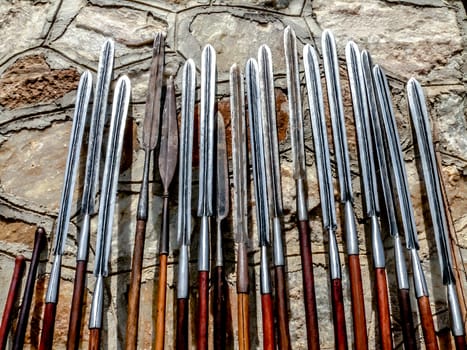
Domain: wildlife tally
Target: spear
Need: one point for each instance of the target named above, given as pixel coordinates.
(273, 180)
(298, 153)
(184, 200)
(96, 131)
(150, 138)
(167, 165)
(261, 198)
(361, 85)
(51, 298)
(107, 205)
(326, 190)
(240, 207)
(40, 242)
(400, 183)
(13, 292)
(419, 114)
(205, 199)
(222, 210)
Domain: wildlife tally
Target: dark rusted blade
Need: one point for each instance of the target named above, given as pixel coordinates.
(222, 175)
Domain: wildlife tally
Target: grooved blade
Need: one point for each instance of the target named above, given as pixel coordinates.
(222, 174)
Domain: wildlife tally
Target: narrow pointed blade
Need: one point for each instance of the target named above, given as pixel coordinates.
(72, 163)
(186, 153)
(96, 131)
(207, 132)
(419, 114)
(153, 101)
(222, 174)
(169, 138)
(257, 151)
(295, 104)
(271, 142)
(320, 139)
(111, 171)
(394, 151)
(336, 109)
(239, 155)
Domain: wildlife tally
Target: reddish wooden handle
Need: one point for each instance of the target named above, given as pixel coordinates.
(311, 313)
(460, 342)
(76, 313)
(161, 302)
(407, 325)
(182, 324)
(131, 339)
(220, 308)
(243, 321)
(383, 309)
(94, 339)
(15, 285)
(47, 335)
(282, 309)
(358, 303)
(203, 311)
(39, 245)
(340, 332)
(268, 322)
(428, 326)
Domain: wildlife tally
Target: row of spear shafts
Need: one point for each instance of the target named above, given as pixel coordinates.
(381, 166)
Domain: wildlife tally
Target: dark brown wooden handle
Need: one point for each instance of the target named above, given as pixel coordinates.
(76, 313)
(39, 245)
(161, 302)
(428, 326)
(220, 308)
(243, 321)
(94, 339)
(203, 311)
(384, 313)
(268, 322)
(311, 313)
(460, 342)
(48, 325)
(408, 331)
(340, 332)
(182, 324)
(15, 285)
(131, 339)
(358, 303)
(281, 308)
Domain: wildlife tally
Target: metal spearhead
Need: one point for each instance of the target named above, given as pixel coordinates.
(169, 137)
(111, 171)
(394, 151)
(239, 155)
(222, 173)
(207, 131)
(336, 108)
(186, 153)
(72, 163)
(419, 114)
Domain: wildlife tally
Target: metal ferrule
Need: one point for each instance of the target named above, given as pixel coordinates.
(264, 271)
(334, 260)
(54, 281)
(242, 269)
(182, 285)
(302, 210)
(97, 305)
(377, 244)
(83, 244)
(456, 315)
(401, 267)
(203, 253)
(351, 236)
(278, 249)
(219, 255)
(142, 213)
(419, 281)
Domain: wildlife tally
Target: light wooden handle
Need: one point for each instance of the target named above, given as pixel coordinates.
(161, 302)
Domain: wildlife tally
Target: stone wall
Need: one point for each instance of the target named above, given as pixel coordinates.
(45, 45)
